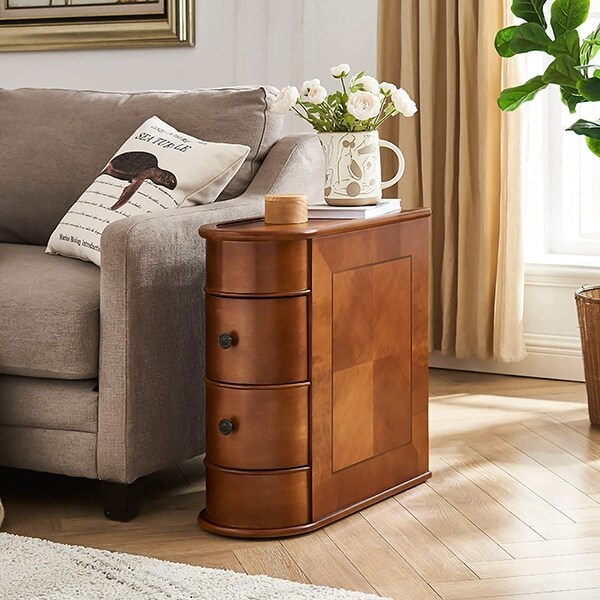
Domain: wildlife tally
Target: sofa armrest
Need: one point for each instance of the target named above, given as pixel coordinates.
(151, 406)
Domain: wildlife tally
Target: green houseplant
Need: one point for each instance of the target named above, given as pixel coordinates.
(572, 67)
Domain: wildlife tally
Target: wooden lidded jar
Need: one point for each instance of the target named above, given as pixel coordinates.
(286, 209)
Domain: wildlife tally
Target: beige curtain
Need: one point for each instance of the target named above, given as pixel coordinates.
(457, 151)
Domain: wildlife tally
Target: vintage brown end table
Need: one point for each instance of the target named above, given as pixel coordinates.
(316, 370)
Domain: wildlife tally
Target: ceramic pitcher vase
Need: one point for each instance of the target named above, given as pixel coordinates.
(353, 167)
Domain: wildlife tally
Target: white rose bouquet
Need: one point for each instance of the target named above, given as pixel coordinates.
(362, 103)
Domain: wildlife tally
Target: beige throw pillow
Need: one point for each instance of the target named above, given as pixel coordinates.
(156, 169)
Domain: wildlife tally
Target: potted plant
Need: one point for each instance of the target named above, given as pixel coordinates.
(573, 70)
(572, 67)
(346, 122)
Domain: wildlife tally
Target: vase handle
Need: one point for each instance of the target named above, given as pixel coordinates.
(401, 164)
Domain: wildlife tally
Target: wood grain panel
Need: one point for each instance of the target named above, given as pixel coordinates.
(479, 507)
(270, 340)
(516, 497)
(434, 561)
(265, 499)
(527, 584)
(353, 418)
(450, 526)
(375, 353)
(270, 426)
(391, 576)
(268, 267)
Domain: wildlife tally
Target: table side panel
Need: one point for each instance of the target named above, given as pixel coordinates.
(369, 363)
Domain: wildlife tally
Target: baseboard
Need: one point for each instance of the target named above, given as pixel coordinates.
(548, 357)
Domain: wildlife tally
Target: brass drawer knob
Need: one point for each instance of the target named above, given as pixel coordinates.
(225, 341)
(225, 426)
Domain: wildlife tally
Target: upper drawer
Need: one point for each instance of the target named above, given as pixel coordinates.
(273, 267)
(257, 341)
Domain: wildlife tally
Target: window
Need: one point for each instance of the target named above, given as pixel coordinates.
(562, 177)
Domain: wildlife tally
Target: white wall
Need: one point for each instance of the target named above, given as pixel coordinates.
(277, 42)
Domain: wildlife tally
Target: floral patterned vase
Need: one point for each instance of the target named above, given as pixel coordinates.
(353, 167)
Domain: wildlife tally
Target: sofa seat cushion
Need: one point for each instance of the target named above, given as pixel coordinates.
(49, 314)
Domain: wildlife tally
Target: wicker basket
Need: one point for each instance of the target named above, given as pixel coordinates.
(588, 310)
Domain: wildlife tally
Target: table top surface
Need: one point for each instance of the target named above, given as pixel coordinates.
(253, 229)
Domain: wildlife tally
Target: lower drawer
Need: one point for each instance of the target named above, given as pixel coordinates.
(257, 428)
(257, 499)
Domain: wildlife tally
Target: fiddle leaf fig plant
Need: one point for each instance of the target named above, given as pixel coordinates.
(572, 68)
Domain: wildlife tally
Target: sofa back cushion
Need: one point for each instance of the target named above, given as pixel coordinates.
(55, 142)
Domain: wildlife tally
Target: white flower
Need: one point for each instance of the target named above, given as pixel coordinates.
(309, 85)
(341, 70)
(317, 95)
(286, 99)
(387, 88)
(370, 84)
(403, 103)
(364, 105)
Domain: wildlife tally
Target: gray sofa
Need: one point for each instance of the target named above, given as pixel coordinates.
(101, 370)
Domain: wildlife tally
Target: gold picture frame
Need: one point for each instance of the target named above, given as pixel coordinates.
(103, 24)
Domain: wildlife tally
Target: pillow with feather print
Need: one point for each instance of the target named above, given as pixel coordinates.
(157, 168)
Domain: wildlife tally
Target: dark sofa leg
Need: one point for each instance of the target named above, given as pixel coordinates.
(122, 500)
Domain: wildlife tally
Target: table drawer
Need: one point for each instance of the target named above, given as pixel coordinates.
(257, 341)
(257, 499)
(262, 428)
(267, 267)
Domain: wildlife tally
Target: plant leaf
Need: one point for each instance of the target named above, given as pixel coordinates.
(590, 47)
(593, 145)
(502, 41)
(511, 98)
(589, 89)
(571, 98)
(562, 71)
(590, 129)
(568, 44)
(528, 38)
(566, 15)
(531, 11)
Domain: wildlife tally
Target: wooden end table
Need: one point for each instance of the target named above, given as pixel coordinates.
(316, 370)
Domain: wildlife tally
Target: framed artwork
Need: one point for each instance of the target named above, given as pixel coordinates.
(70, 24)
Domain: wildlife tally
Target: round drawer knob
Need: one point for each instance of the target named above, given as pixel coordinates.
(225, 341)
(225, 426)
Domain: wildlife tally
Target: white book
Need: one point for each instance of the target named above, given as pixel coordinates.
(322, 210)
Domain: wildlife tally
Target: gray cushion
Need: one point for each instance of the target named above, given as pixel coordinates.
(49, 403)
(57, 141)
(49, 314)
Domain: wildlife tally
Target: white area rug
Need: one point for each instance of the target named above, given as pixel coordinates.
(37, 569)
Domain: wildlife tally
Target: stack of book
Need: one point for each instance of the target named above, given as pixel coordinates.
(322, 210)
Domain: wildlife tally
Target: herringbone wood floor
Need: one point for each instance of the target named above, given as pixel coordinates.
(512, 511)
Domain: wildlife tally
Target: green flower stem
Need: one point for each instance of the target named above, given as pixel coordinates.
(380, 123)
(302, 116)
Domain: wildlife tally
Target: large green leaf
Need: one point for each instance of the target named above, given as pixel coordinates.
(529, 37)
(503, 40)
(571, 98)
(590, 129)
(593, 145)
(531, 11)
(589, 89)
(562, 71)
(566, 15)
(568, 44)
(511, 98)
